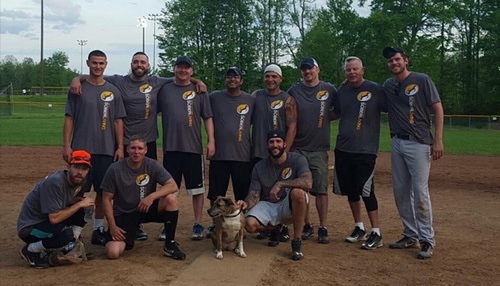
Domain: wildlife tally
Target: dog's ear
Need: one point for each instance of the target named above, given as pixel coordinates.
(229, 202)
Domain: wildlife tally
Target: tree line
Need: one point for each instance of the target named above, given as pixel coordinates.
(456, 42)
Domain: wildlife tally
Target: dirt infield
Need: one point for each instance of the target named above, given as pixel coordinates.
(465, 193)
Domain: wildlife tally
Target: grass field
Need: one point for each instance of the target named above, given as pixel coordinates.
(38, 121)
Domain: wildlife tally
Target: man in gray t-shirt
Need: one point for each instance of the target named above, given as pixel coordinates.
(94, 122)
(130, 197)
(314, 101)
(52, 215)
(358, 104)
(412, 97)
(182, 109)
(278, 193)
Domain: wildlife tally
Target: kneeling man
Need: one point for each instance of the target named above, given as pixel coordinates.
(53, 214)
(278, 193)
(130, 198)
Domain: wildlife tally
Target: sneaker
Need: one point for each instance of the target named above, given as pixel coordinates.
(210, 230)
(323, 235)
(356, 235)
(171, 249)
(163, 235)
(140, 234)
(284, 236)
(36, 260)
(373, 241)
(308, 231)
(274, 238)
(297, 249)
(197, 231)
(98, 237)
(263, 234)
(404, 242)
(426, 251)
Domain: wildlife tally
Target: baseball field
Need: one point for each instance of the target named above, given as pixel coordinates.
(465, 192)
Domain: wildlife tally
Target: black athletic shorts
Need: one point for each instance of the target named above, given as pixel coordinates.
(189, 165)
(100, 164)
(219, 174)
(354, 173)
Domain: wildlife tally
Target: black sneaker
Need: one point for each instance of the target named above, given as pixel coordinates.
(263, 234)
(36, 260)
(323, 235)
(210, 230)
(297, 249)
(140, 234)
(426, 251)
(274, 238)
(308, 231)
(98, 237)
(356, 235)
(374, 241)
(171, 249)
(404, 242)
(284, 236)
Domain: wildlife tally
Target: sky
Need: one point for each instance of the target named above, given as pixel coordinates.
(107, 25)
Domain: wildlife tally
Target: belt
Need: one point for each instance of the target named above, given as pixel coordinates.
(402, 136)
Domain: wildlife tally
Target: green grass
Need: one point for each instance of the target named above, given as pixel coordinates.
(34, 123)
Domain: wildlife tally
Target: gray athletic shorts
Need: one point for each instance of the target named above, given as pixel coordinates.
(269, 213)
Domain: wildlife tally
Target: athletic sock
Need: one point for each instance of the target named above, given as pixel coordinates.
(170, 224)
(36, 247)
(77, 230)
(98, 222)
(360, 225)
(376, 230)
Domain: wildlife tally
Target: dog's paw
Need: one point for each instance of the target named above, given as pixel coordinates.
(218, 254)
(243, 255)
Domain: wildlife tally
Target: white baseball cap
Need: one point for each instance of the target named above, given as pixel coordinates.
(273, 68)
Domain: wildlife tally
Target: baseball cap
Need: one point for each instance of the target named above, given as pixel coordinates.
(309, 62)
(276, 134)
(80, 157)
(391, 51)
(234, 70)
(273, 68)
(184, 60)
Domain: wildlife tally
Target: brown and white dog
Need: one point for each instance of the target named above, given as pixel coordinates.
(229, 226)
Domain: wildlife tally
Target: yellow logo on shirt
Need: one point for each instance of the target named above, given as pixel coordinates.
(107, 96)
(277, 104)
(286, 173)
(188, 95)
(364, 96)
(142, 180)
(243, 109)
(145, 88)
(322, 95)
(411, 89)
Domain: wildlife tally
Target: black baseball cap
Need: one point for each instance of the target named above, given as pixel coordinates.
(184, 60)
(235, 71)
(309, 62)
(389, 52)
(276, 134)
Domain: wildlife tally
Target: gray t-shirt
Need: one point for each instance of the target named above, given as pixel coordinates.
(131, 186)
(313, 123)
(181, 110)
(50, 195)
(94, 113)
(409, 104)
(359, 126)
(265, 174)
(140, 99)
(269, 114)
(232, 122)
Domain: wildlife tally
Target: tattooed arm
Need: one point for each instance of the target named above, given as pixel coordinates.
(291, 121)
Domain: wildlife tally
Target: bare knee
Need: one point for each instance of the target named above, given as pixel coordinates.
(298, 196)
(251, 225)
(114, 249)
(171, 203)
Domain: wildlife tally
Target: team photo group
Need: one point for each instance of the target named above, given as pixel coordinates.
(272, 144)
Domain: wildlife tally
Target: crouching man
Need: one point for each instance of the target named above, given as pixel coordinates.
(130, 198)
(278, 193)
(52, 214)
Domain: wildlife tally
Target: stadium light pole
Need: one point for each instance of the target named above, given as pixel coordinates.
(81, 43)
(143, 24)
(153, 17)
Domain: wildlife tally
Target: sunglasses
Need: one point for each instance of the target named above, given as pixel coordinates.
(80, 158)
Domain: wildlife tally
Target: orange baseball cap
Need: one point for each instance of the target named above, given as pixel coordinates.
(80, 157)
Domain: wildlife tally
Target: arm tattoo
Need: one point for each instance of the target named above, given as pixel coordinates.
(290, 111)
(303, 182)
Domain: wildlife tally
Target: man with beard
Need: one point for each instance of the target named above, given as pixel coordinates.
(93, 122)
(275, 109)
(52, 214)
(412, 97)
(278, 192)
(140, 96)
